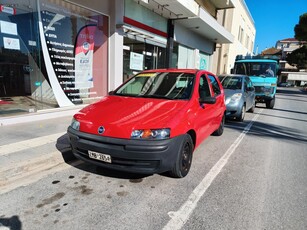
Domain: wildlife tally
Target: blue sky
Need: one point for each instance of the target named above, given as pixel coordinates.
(275, 20)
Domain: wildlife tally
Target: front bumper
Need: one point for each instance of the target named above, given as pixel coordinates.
(233, 109)
(137, 156)
(263, 98)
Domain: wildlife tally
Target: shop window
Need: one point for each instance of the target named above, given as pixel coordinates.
(51, 54)
(139, 56)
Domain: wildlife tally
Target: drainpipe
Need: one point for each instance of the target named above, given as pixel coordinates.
(170, 43)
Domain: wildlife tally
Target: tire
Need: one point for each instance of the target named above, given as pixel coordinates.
(252, 109)
(184, 158)
(270, 104)
(242, 114)
(220, 130)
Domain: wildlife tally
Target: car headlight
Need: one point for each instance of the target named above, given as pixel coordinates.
(75, 124)
(236, 97)
(151, 134)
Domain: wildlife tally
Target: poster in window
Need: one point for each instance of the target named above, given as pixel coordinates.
(136, 61)
(84, 51)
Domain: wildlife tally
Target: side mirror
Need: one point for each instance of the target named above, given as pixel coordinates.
(207, 100)
(250, 89)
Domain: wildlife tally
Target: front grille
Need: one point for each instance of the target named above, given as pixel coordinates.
(263, 89)
(122, 162)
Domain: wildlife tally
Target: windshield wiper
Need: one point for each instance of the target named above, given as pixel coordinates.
(156, 96)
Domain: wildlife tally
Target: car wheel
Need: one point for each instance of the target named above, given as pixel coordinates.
(252, 109)
(270, 104)
(242, 114)
(220, 130)
(184, 159)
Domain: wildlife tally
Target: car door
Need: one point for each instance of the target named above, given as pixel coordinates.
(220, 100)
(251, 92)
(204, 112)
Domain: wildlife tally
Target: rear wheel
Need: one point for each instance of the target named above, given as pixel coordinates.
(220, 130)
(184, 159)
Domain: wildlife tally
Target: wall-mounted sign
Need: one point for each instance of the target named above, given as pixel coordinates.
(8, 10)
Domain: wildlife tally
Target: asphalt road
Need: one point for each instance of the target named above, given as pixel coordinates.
(252, 177)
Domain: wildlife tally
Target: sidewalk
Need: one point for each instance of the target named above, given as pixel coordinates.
(40, 115)
(34, 145)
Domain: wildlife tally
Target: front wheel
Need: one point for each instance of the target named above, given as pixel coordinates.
(184, 159)
(242, 114)
(270, 104)
(252, 109)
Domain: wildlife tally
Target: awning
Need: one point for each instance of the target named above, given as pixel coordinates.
(297, 76)
(208, 27)
(144, 36)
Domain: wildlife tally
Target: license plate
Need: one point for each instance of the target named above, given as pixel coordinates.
(100, 156)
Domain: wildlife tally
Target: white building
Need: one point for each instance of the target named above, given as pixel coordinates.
(240, 23)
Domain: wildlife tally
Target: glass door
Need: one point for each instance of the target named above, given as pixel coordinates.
(18, 49)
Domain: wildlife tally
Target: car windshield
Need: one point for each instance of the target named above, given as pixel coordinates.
(264, 69)
(232, 82)
(167, 85)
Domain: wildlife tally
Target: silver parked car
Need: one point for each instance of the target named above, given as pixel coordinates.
(239, 95)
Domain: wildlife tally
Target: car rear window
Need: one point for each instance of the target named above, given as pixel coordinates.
(232, 83)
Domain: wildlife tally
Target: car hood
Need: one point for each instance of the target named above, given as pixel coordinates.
(230, 92)
(120, 115)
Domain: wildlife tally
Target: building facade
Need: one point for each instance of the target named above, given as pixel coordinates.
(56, 53)
(290, 73)
(239, 21)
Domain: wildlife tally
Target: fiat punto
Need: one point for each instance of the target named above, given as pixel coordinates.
(152, 123)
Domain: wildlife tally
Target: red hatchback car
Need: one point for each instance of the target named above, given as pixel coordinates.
(152, 123)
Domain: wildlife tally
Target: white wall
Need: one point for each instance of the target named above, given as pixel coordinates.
(189, 38)
(235, 19)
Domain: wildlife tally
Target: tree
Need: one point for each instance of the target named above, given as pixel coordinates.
(300, 29)
(298, 57)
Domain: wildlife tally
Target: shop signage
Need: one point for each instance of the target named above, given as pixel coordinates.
(8, 10)
(84, 51)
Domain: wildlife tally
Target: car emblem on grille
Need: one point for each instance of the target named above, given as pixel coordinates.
(101, 130)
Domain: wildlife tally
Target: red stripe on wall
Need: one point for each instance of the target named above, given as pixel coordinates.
(144, 27)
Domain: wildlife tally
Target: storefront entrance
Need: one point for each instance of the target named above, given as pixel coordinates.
(139, 56)
(18, 50)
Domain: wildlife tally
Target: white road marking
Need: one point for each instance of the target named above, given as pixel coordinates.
(28, 144)
(179, 218)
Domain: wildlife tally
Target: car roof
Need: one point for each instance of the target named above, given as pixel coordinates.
(232, 75)
(175, 70)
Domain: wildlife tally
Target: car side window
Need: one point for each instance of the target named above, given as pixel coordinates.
(215, 85)
(245, 85)
(249, 82)
(204, 89)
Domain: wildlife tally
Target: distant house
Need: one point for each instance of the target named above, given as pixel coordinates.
(272, 52)
(290, 73)
(288, 45)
